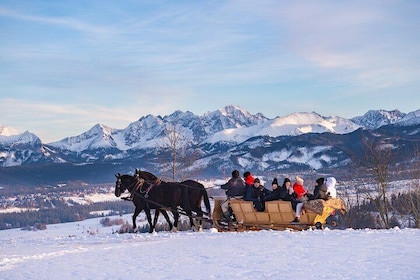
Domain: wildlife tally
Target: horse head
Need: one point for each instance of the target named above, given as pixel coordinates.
(127, 182)
(119, 186)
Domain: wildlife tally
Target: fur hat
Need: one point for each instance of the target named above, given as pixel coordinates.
(320, 181)
(299, 180)
(274, 181)
(256, 180)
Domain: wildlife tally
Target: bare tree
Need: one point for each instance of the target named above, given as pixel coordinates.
(411, 204)
(176, 153)
(376, 162)
(414, 201)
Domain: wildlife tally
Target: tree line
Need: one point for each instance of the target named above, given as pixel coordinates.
(62, 213)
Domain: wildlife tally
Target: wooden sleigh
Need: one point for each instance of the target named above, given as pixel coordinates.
(276, 216)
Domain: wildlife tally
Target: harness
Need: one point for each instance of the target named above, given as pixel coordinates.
(136, 189)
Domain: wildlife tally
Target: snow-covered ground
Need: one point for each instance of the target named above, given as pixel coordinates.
(86, 250)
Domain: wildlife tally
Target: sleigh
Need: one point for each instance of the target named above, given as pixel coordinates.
(277, 215)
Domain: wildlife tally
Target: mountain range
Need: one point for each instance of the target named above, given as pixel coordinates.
(222, 140)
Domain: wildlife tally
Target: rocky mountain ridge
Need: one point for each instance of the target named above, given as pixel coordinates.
(226, 138)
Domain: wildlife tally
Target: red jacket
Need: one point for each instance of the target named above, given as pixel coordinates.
(249, 180)
(299, 190)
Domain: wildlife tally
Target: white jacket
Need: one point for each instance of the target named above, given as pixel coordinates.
(330, 183)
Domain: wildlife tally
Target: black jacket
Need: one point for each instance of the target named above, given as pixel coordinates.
(234, 187)
(279, 193)
(256, 194)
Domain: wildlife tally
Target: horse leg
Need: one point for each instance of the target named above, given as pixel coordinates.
(155, 219)
(199, 220)
(136, 213)
(192, 223)
(165, 214)
(149, 219)
(176, 218)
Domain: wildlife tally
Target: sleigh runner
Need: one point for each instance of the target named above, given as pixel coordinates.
(277, 215)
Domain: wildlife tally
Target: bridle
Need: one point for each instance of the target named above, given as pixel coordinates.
(136, 188)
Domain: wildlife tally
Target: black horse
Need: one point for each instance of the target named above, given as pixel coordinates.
(146, 196)
(196, 195)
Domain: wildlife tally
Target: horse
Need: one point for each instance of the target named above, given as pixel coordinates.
(196, 195)
(145, 196)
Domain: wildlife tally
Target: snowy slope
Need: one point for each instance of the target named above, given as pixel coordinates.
(290, 125)
(411, 118)
(86, 250)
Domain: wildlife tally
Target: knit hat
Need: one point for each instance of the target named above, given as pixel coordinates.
(256, 180)
(320, 181)
(299, 180)
(274, 181)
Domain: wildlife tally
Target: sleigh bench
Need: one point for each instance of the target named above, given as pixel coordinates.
(276, 213)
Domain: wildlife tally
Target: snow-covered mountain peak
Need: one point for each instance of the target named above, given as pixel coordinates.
(377, 118)
(98, 136)
(179, 116)
(232, 110)
(290, 125)
(298, 119)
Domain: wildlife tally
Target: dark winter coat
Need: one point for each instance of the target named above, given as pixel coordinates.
(320, 192)
(284, 194)
(273, 195)
(248, 191)
(234, 187)
(257, 196)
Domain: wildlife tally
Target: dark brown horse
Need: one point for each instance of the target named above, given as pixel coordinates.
(146, 196)
(196, 195)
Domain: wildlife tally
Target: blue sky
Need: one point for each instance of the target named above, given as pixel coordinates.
(67, 65)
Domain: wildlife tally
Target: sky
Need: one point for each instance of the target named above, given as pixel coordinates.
(68, 65)
(87, 250)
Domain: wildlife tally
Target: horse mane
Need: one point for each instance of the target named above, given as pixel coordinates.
(150, 178)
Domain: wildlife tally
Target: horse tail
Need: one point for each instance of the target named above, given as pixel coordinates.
(206, 201)
(186, 199)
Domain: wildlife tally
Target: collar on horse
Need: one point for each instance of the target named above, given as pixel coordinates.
(138, 187)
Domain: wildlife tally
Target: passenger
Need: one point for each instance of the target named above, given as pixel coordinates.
(331, 190)
(235, 189)
(257, 190)
(301, 196)
(320, 191)
(257, 195)
(286, 190)
(249, 181)
(275, 194)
